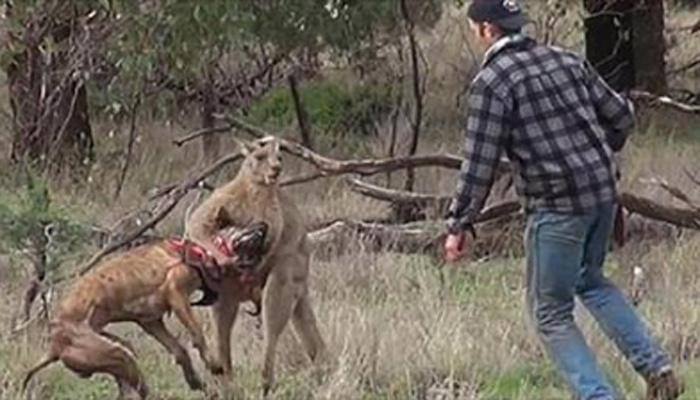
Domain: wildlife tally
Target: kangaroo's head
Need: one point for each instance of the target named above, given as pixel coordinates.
(263, 161)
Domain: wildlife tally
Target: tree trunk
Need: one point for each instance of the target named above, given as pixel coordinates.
(211, 144)
(649, 47)
(625, 43)
(49, 106)
(608, 41)
(302, 115)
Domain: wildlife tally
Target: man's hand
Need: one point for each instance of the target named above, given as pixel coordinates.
(457, 246)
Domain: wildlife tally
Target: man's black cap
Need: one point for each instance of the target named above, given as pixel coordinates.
(507, 14)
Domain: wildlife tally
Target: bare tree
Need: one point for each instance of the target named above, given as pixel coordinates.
(50, 58)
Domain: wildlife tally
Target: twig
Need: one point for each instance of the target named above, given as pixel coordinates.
(201, 132)
(664, 100)
(692, 177)
(170, 187)
(684, 68)
(129, 146)
(303, 179)
(26, 324)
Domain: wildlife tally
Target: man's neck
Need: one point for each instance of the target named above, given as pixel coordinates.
(500, 43)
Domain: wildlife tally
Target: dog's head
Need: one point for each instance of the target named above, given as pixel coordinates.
(247, 244)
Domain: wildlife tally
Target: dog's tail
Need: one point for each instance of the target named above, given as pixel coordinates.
(50, 359)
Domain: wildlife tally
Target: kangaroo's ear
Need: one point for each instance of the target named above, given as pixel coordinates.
(222, 218)
(245, 147)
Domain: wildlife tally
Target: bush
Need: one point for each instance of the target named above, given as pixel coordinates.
(332, 108)
(29, 220)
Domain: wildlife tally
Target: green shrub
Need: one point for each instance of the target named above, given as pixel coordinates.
(29, 219)
(332, 108)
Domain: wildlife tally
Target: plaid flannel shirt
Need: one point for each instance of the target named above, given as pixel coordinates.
(554, 118)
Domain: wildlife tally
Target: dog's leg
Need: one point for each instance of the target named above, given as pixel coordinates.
(224, 314)
(278, 300)
(119, 340)
(181, 306)
(91, 353)
(158, 330)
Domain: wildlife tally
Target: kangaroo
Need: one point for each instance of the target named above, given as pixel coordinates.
(255, 195)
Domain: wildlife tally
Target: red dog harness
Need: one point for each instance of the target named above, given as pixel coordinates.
(196, 256)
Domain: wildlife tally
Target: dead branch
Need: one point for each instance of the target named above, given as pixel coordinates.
(332, 167)
(201, 132)
(692, 177)
(424, 200)
(664, 100)
(393, 195)
(162, 210)
(129, 146)
(302, 179)
(685, 67)
(160, 192)
(650, 209)
(676, 193)
(426, 237)
(636, 204)
(365, 167)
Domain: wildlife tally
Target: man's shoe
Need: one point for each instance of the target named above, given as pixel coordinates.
(664, 386)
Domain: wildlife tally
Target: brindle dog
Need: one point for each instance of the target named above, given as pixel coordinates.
(141, 285)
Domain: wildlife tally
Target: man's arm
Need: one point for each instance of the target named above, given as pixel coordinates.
(614, 110)
(486, 130)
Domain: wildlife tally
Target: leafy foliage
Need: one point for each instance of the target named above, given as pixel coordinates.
(29, 217)
(331, 107)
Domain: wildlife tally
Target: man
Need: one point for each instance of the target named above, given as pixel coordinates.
(559, 124)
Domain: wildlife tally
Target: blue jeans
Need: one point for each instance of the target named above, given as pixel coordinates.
(565, 256)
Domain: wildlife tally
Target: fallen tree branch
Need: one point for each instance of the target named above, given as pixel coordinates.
(650, 209)
(664, 100)
(163, 209)
(424, 200)
(424, 237)
(676, 193)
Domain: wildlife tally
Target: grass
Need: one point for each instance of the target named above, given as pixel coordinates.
(399, 328)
